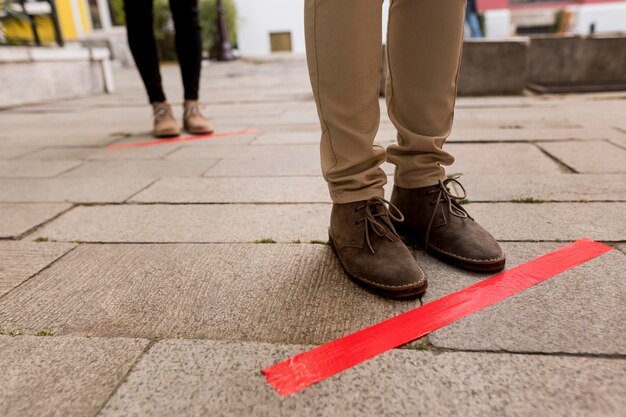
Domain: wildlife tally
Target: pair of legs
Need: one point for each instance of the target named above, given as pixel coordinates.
(424, 43)
(140, 30)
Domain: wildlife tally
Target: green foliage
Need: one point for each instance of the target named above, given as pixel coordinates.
(118, 16)
(265, 240)
(44, 333)
(527, 200)
(319, 242)
(164, 26)
(208, 21)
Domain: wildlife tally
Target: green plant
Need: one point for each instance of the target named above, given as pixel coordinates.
(319, 242)
(42, 239)
(527, 200)
(208, 21)
(118, 16)
(44, 333)
(265, 240)
(207, 9)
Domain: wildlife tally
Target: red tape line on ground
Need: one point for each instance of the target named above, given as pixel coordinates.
(307, 368)
(179, 139)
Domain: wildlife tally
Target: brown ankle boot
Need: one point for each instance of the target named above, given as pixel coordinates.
(435, 218)
(193, 120)
(371, 252)
(165, 124)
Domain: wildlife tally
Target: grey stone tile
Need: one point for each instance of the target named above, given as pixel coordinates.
(555, 187)
(596, 156)
(291, 162)
(237, 190)
(16, 219)
(76, 190)
(192, 223)
(500, 159)
(288, 138)
(62, 376)
(552, 221)
(194, 378)
(35, 169)
(20, 260)
(145, 169)
(276, 152)
(469, 134)
(7, 153)
(578, 311)
(148, 152)
(295, 293)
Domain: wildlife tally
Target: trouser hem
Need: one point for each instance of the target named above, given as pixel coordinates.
(346, 197)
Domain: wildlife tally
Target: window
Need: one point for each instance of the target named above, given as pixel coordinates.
(281, 41)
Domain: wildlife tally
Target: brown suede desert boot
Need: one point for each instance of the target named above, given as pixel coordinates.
(164, 122)
(193, 120)
(435, 218)
(371, 252)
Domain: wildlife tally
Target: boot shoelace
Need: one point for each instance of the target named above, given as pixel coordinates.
(373, 219)
(162, 111)
(192, 110)
(447, 197)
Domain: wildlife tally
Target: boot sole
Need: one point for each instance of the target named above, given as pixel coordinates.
(451, 260)
(403, 293)
(167, 135)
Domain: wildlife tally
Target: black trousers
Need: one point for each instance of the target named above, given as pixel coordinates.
(139, 23)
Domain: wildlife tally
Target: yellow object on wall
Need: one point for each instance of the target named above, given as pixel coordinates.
(21, 31)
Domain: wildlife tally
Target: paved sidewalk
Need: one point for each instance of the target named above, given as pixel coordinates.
(159, 280)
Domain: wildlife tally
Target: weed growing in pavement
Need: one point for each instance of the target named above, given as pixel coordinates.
(265, 240)
(527, 200)
(44, 333)
(319, 242)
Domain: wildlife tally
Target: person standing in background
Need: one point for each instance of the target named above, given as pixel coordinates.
(472, 19)
(139, 23)
(344, 49)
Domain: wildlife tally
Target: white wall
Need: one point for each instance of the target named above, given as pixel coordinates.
(256, 19)
(610, 17)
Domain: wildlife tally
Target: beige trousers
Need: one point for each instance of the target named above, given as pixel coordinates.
(344, 45)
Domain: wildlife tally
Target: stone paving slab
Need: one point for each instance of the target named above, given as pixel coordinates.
(91, 153)
(285, 223)
(7, 153)
(62, 376)
(17, 219)
(552, 221)
(36, 169)
(76, 190)
(21, 260)
(293, 293)
(481, 188)
(555, 187)
(236, 190)
(500, 159)
(278, 153)
(144, 169)
(290, 294)
(574, 312)
(191, 223)
(198, 378)
(469, 134)
(595, 156)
